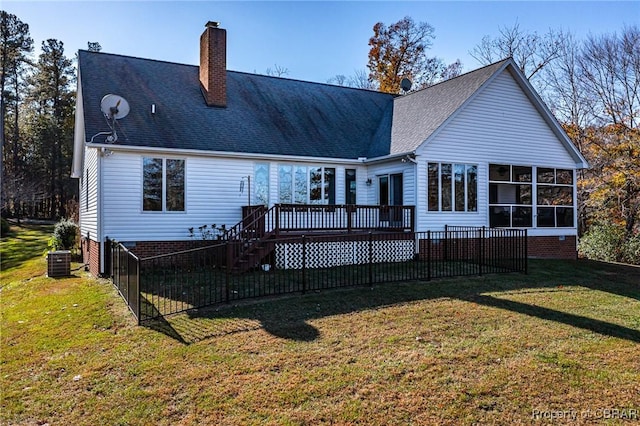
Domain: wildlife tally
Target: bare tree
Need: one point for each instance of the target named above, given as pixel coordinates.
(610, 66)
(277, 71)
(359, 80)
(531, 51)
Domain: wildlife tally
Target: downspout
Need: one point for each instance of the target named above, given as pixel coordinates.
(100, 230)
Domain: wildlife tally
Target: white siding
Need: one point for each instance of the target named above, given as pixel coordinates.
(212, 195)
(395, 166)
(499, 125)
(89, 195)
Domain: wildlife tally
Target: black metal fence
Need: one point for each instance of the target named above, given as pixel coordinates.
(124, 269)
(167, 284)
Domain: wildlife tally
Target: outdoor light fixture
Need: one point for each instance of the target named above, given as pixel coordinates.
(369, 182)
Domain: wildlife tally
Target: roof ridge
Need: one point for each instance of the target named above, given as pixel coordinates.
(238, 72)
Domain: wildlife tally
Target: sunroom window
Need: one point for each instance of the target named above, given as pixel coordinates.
(510, 196)
(554, 198)
(514, 191)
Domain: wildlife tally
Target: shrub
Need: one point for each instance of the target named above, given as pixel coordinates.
(631, 250)
(607, 243)
(602, 242)
(64, 235)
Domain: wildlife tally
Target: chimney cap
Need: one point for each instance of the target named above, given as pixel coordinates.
(212, 24)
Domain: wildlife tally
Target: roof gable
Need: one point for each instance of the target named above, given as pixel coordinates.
(418, 119)
(419, 114)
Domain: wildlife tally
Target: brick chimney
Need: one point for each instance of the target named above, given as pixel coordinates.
(213, 64)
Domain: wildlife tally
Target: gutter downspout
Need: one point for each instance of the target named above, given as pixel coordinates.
(99, 212)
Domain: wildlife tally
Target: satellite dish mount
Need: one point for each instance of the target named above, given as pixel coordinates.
(405, 85)
(114, 108)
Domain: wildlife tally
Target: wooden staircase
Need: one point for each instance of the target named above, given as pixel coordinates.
(251, 244)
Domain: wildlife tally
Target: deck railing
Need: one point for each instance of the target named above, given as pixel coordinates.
(281, 218)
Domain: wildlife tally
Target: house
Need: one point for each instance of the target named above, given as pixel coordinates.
(199, 143)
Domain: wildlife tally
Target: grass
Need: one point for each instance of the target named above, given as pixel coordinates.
(488, 350)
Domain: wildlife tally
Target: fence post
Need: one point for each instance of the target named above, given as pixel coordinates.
(370, 258)
(138, 291)
(108, 258)
(526, 252)
(304, 264)
(429, 255)
(445, 244)
(481, 250)
(228, 271)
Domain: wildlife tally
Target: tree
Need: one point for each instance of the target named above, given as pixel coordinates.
(532, 52)
(400, 51)
(15, 45)
(610, 73)
(359, 80)
(51, 102)
(277, 71)
(94, 46)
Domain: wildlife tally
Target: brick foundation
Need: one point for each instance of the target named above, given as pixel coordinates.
(552, 247)
(144, 249)
(91, 255)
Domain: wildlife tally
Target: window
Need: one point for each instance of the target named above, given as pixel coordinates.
(350, 186)
(510, 196)
(306, 185)
(452, 187)
(163, 185)
(261, 178)
(554, 198)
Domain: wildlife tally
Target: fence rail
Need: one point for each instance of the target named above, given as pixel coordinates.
(167, 284)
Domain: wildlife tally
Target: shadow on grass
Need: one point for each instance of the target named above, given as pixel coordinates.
(287, 316)
(23, 245)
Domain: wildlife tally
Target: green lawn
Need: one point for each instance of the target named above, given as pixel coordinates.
(496, 349)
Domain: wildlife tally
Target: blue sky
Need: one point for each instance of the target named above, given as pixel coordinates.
(314, 40)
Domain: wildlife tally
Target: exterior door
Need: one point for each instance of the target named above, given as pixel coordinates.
(390, 194)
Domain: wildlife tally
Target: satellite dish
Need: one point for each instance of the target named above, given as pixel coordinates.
(114, 107)
(405, 84)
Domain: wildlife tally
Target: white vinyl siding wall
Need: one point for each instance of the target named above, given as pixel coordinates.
(89, 207)
(501, 126)
(395, 166)
(212, 194)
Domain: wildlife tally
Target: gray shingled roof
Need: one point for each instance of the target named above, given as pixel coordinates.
(264, 114)
(417, 115)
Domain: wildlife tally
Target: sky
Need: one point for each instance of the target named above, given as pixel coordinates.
(313, 40)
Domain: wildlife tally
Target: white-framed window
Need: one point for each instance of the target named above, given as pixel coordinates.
(528, 196)
(163, 185)
(510, 196)
(554, 198)
(452, 187)
(306, 185)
